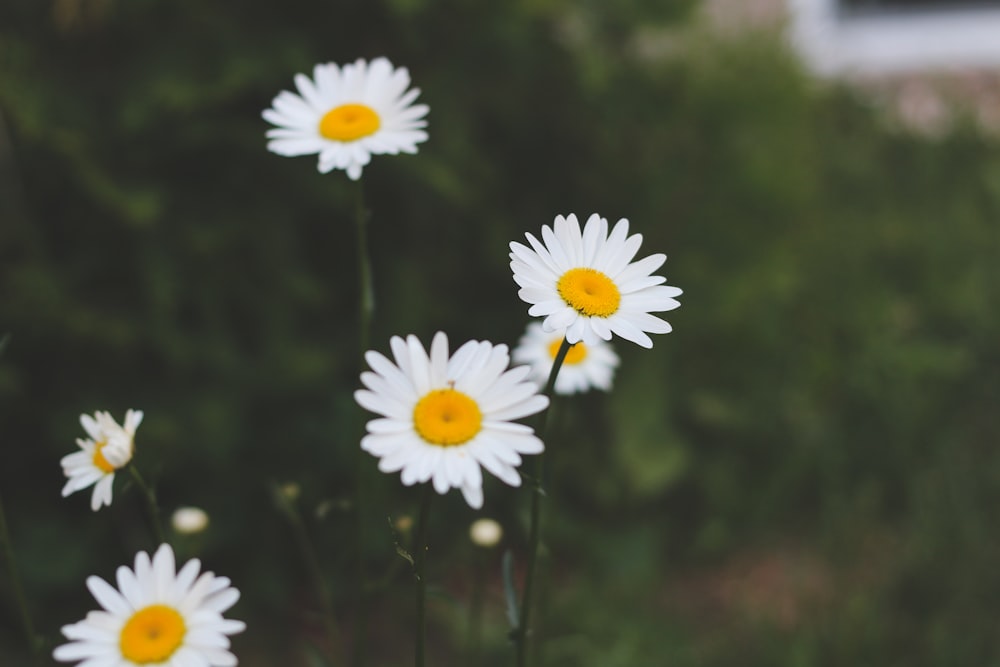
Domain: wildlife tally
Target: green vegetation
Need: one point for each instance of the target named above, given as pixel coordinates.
(804, 473)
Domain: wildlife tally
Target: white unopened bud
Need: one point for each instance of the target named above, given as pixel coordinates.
(485, 532)
(189, 520)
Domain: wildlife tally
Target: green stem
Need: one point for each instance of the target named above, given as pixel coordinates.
(366, 301)
(366, 312)
(152, 507)
(475, 639)
(535, 528)
(419, 570)
(315, 570)
(15, 579)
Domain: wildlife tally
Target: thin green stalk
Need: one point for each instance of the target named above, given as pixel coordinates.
(420, 559)
(535, 528)
(366, 312)
(475, 627)
(33, 640)
(366, 301)
(152, 507)
(312, 562)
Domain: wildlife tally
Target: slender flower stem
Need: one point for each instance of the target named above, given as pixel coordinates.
(366, 300)
(288, 506)
(419, 571)
(475, 624)
(152, 507)
(15, 582)
(535, 528)
(366, 312)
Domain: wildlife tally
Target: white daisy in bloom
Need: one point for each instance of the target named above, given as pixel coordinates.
(108, 448)
(347, 114)
(444, 417)
(157, 616)
(587, 284)
(585, 365)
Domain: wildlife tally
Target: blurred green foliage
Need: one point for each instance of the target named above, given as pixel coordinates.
(803, 473)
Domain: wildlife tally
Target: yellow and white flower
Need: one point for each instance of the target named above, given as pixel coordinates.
(156, 616)
(585, 366)
(108, 448)
(444, 417)
(347, 114)
(587, 284)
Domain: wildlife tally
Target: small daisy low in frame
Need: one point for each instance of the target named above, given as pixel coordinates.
(347, 114)
(156, 616)
(445, 416)
(585, 282)
(585, 367)
(108, 448)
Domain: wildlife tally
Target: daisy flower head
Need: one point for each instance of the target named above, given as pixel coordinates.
(585, 282)
(586, 366)
(445, 416)
(108, 448)
(347, 114)
(157, 615)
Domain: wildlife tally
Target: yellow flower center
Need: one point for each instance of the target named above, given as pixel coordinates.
(574, 355)
(589, 292)
(349, 122)
(101, 462)
(446, 417)
(152, 634)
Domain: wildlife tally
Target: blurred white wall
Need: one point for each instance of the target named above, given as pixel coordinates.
(949, 37)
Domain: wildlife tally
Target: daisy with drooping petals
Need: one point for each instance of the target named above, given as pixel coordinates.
(108, 448)
(584, 367)
(444, 417)
(587, 284)
(347, 114)
(156, 616)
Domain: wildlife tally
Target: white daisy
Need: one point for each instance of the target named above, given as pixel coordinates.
(156, 616)
(445, 416)
(108, 448)
(587, 284)
(584, 366)
(347, 114)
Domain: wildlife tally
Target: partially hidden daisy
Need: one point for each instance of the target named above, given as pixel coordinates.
(586, 366)
(347, 114)
(157, 616)
(445, 416)
(108, 448)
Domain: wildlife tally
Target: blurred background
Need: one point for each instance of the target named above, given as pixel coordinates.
(804, 473)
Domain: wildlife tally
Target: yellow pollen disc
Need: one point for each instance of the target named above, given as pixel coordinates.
(101, 462)
(589, 292)
(349, 122)
(446, 417)
(575, 355)
(152, 634)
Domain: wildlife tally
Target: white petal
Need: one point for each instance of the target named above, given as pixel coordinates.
(629, 331)
(473, 495)
(102, 492)
(108, 597)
